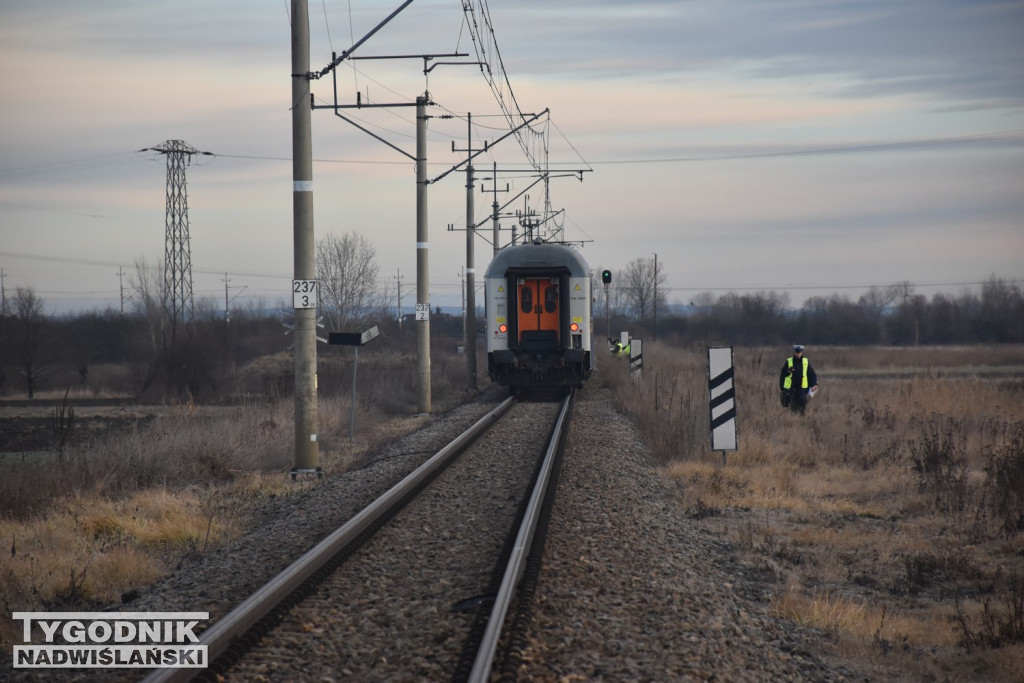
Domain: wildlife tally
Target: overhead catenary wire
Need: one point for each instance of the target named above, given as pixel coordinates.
(481, 39)
(327, 23)
(351, 39)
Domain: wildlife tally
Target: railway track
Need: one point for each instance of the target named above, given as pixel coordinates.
(440, 557)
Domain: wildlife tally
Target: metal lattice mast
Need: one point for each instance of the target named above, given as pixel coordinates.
(177, 294)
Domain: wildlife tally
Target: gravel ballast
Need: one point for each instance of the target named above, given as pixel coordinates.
(632, 590)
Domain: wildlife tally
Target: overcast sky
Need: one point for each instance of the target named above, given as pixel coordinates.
(810, 146)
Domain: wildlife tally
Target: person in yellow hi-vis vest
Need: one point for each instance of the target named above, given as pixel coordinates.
(797, 380)
(617, 348)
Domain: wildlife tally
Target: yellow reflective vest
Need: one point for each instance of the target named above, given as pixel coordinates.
(787, 383)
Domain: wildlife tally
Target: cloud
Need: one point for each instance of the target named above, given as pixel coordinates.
(87, 84)
(936, 49)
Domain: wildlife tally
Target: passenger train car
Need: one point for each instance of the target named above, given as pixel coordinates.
(539, 317)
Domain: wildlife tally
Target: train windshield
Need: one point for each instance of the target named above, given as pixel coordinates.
(526, 299)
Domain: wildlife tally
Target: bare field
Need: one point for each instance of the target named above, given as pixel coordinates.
(27, 428)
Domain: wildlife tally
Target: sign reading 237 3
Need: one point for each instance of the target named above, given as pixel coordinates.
(304, 293)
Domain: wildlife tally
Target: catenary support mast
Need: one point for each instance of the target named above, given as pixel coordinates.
(307, 450)
(422, 262)
(470, 317)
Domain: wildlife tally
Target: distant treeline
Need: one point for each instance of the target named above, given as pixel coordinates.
(137, 353)
(884, 315)
(40, 352)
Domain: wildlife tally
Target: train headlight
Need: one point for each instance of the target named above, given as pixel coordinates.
(575, 327)
(503, 328)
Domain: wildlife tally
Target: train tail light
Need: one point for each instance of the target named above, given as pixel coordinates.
(503, 328)
(575, 327)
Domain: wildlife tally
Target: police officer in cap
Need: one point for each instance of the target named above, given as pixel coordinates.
(796, 380)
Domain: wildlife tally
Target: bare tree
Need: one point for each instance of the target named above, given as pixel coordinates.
(641, 284)
(903, 292)
(347, 272)
(1001, 314)
(147, 299)
(877, 300)
(703, 302)
(27, 337)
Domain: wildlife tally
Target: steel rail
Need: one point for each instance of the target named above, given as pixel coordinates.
(238, 621)
(517, 560)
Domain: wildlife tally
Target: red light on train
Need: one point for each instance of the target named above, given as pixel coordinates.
(503, 328)
(574, 327)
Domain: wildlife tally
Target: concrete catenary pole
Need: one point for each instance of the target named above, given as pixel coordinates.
(398, 279)
(655, 297)
(494, 211)
(470, 318)
(307, 451)
(422, 262)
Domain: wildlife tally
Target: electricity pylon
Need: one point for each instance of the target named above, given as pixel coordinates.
(177, 294)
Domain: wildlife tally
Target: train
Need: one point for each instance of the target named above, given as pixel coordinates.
(539, 311)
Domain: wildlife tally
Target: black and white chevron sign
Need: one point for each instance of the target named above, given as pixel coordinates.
(722, 388)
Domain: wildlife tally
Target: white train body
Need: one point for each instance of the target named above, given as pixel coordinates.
(539, 317)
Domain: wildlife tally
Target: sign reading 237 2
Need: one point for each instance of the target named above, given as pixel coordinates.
(304, 293)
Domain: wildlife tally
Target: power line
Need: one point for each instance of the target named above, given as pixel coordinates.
(97, 262)
(832, 287)
(893, 146)
(255, 157)
(1015, 136)
(70, 165)
(201, 271)
(452, 285)
(899, 145)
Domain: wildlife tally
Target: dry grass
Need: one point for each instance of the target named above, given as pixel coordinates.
(891, 516)
(90, 550)
(114, 514)
(862, 621)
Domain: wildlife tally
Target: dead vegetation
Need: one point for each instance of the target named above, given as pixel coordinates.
(98, 516)
(891, 516)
